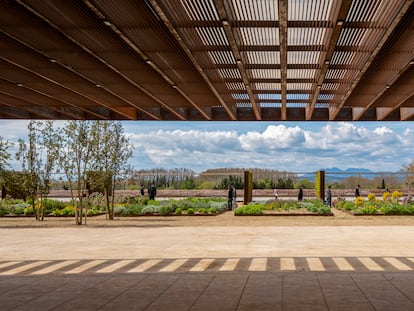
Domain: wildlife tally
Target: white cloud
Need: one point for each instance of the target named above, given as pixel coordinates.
(280, 147)
(273, 138)
(299, 147)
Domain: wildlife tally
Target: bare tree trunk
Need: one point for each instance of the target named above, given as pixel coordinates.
(75, 208)
(35, 211)
(86, 206)
(41, 207)
(107, 204)
(113, 203)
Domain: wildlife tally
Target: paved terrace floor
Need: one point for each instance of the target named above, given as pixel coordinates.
(208, 263)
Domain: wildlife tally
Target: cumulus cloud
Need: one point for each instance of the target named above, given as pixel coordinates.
(280, 147)
(273, 138)
(298, 147)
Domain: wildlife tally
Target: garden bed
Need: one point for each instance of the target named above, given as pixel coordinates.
(285, 208)
(125, 206)
(389, 205)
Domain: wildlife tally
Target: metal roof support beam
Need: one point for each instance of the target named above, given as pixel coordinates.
(343, 11)
(189, 54)
(376, 50)
(283, 16)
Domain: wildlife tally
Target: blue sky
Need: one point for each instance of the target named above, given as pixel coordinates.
(291, 146)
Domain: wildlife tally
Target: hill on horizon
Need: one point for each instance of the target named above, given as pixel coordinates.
(336, 174)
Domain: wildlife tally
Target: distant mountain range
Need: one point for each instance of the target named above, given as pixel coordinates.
(336, 174)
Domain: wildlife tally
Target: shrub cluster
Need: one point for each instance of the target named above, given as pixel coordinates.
(389, 205)
(51, 207)
(188, 206)
(312, 206)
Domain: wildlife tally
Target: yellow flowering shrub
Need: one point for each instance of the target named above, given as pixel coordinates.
(359, 201)
(396, 195)
(371, 197)
(386, 196)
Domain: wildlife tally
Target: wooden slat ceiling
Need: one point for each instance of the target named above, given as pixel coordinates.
(226, 60)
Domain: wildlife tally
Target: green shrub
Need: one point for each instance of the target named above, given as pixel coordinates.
(153, 202)
(249, 210)
(149, 209)
(390, 208)
(120, 210)
(212, 210)
(190, 211)
(134, 210)
(288, 205)
(178, 210)
(18, 210)
(68, 211)
(51, 205)
(202, 211)
(275, 205)
(3, 211)
(28, 210)
(93, 211)
(166, 210)
(321, 209)
(219, 206)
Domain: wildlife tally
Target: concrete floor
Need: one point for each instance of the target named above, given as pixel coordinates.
(207, 268)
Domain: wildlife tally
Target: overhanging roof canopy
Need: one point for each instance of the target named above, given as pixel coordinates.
(282, 60)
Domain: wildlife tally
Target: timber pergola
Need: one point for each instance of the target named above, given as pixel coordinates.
(211, 60)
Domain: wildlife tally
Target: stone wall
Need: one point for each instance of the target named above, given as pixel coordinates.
(223, 193)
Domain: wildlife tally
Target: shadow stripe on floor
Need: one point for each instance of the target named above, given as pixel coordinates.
(159, 265)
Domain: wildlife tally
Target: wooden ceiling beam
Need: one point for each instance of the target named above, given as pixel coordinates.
(157, 7)
(377, 49)
(226, 24)
(325, 61)
(283, 17)
(95, 56)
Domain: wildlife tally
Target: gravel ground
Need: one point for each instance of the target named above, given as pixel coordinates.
(226, 219)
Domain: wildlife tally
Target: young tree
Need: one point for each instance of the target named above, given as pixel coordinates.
(74, 146)
(38, 160)
(4, 157)
(409, 176)
(110, 159)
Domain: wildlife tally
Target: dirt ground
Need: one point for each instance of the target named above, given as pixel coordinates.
(226, 219)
